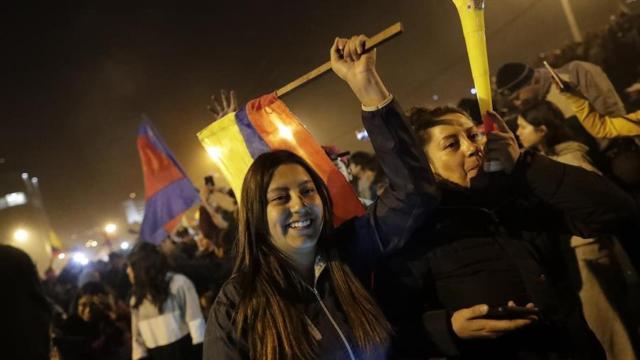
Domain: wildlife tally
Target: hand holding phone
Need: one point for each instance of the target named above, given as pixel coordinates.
(511, 312)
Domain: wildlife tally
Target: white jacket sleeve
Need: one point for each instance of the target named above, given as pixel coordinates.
(190, 307)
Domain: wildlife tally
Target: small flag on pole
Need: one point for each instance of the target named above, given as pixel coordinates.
(266, 124)
(168, 192)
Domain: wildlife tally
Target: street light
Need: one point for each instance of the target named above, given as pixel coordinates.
(110, 228)
(21, 235)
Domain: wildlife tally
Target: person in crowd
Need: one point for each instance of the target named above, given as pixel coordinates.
(543, 128)
(166, 320)
(493, 241)
(24, 310)
(299, 289)
(91, 330)
(525, 87)
(366, 175)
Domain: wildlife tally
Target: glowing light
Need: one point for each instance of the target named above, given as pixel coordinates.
(21, 235)
(214, 152)
(91, 243)
(14, 199)
(124, 245)
(80, 258)
(473, 91)
(34, 180)
(61, 256)
(25, 176)
(110, 228)
(435, 97)
(285, 132)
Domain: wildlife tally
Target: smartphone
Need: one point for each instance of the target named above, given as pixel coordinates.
(209, 182)
(511, 312)
(554, 75)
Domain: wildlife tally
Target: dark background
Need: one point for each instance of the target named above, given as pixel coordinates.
(75, 82)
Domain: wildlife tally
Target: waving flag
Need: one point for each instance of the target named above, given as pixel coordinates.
(267, 124)
(167, 191)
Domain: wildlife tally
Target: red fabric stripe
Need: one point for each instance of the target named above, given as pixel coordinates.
(158, 170)
(264, 113)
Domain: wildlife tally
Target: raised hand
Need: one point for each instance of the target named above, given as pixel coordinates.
(224, 105)
(501, 146)
(358, 68)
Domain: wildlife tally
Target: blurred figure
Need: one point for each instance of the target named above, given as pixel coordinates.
(166, 320)
(24, 310)
(542, 127)
(366, 176)
(91, 331)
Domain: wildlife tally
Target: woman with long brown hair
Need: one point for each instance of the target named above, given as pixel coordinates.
(299, 286)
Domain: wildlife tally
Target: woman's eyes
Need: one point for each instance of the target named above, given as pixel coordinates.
(279, 199)
(451, 145)
(308, 191)
(475, 137)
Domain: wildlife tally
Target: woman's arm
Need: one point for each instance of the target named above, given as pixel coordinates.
(411, 194)
(603, 126)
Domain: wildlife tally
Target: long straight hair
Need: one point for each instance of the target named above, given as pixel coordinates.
(270, 287)
(150, 269)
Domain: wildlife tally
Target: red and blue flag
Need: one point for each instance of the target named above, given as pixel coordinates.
(168, 192)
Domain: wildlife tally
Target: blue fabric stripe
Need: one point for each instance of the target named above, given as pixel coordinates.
(252, 139)
(164, 206)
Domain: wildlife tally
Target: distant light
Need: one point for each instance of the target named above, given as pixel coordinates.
(21, 235)
(61, 256)
(110, 228)
(91, 243)
(124, 245)
(473, 91)
(15, 199)
(435, 97)
(362, 135)
(25, 176)
(34, 180)
(132, 195)
(80, 258)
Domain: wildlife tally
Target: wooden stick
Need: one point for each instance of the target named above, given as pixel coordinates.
(378, 39)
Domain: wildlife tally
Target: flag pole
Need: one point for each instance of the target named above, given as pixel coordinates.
(378, 39)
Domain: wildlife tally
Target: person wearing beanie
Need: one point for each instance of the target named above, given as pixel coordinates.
(524, 87)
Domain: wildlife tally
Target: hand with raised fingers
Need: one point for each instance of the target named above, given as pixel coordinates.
(501, 146)
(357, 67)
(469, 323)
(224, 105)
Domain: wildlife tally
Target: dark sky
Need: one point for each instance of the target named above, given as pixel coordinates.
(76, 82)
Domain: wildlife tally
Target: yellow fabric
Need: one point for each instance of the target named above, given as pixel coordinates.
(225, 145)
(603, 126)
(472, 18)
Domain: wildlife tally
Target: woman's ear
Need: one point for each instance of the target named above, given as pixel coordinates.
(542, 130)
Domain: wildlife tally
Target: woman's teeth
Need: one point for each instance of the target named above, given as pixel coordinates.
(300, 224)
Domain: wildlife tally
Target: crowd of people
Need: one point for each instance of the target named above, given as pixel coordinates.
(532, 258)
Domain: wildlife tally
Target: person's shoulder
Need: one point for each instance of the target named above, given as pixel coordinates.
(229, 293)
(578, 65)
(226, 303)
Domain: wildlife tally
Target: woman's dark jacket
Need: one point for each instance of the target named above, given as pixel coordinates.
(360, 242)
(502, 240)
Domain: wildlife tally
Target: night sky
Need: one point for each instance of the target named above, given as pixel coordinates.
(75, 83)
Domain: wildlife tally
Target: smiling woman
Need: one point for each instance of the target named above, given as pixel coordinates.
(299, 289)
